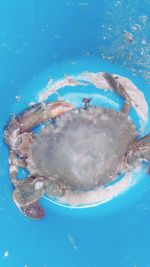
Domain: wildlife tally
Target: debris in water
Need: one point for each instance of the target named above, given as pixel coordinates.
(129, 37)
(6, 254)
(18, 98)
(72, 242)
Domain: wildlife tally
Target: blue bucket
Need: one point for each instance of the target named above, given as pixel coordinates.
(43, 42)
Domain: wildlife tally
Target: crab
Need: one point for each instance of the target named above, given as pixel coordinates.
(71, 148)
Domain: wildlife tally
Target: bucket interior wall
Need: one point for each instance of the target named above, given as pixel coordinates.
(35, 35)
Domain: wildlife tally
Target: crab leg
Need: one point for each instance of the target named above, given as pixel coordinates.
(26, 195)
(40, 113)
(26, 192)
(114, 84)
(143, 139)
(32, 117)
(18, 136)
(33, 211)
(14, 163)
(140, 142)
(138, 151)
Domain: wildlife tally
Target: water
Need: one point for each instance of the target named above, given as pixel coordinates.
(111, 234)
(36, 34)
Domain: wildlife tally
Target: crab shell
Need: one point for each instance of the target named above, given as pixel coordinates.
(83, 149)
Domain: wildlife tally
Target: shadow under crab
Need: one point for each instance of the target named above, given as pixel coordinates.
(80, 151)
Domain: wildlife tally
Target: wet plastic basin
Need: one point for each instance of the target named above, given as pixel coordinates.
(37, 35)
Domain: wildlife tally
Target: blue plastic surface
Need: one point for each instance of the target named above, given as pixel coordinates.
(42, 38)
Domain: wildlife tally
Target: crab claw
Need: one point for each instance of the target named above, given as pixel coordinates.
(18, 129)
(33, 210)
(40, 113)
(25, 197)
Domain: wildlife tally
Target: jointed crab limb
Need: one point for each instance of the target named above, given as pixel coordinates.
(55, 188)
(18, 136)
(33, 211)
(25, 197)
(31, 117)
(29, 192)
(40, 113)
(26, 192)
(137, 152)
(14, 163)
(137, 144)
(120, 90)
(143, 139)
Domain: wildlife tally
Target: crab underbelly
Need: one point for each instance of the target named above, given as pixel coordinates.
(83, 148)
